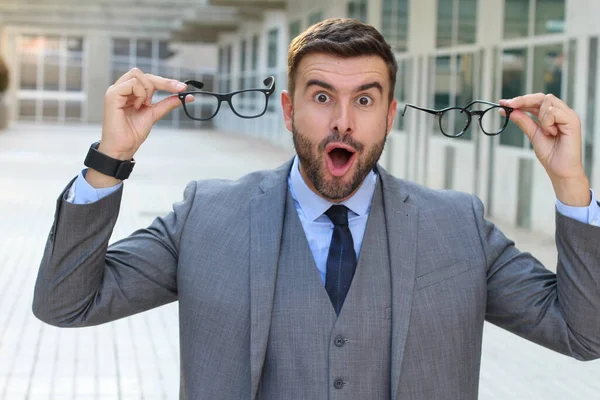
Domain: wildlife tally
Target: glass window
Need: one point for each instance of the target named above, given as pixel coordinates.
(514, 83)
(74, 45)
(73, 111)
(74, 78)
(445, 13)
(442, 82)
(516, 18)
(51, 74)
(163, 50)
(400, 91)
(357, 9)
(465, 87)
(255, 53)
(549, 16)
(119, 69)
(441, 99)
(394, 23)
(548, 69)
(243, 56)
(27, 109)
(456, 22)
(315, 17)
(144, 48)
(28, 71)
(467, 21)
(121, 47)
(229, 59)
(272, 48)
(50, 109)
(74, 50)
(294, 29)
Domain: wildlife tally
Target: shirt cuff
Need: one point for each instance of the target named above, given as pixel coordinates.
(81, 192)
(587, 215)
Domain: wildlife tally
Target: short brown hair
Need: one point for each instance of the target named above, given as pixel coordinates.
(341, 37)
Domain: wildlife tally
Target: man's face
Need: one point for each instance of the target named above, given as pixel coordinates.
(340, 116)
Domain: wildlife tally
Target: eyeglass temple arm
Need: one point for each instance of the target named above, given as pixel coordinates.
(196, 84)
(427, 110)
(486, 102)
(481, 102)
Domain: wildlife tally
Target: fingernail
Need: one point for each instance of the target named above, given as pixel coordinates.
(180, 85)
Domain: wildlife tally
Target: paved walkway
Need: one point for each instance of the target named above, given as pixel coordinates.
(137, 357)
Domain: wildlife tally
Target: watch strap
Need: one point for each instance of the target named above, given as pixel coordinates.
(119, 169)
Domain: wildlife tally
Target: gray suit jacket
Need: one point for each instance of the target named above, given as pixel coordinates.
(217, 253)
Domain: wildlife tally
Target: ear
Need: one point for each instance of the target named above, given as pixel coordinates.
(288, 109)
(391, 115)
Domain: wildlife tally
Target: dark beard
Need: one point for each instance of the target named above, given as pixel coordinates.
(313, 163)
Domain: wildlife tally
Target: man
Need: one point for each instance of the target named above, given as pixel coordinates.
(261, 266)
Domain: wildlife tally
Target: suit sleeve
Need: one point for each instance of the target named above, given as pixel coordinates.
(559, 311)
(84, 282)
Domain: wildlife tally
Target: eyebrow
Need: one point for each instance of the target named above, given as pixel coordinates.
(325, 85)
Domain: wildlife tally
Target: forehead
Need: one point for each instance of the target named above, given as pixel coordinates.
(352, 71)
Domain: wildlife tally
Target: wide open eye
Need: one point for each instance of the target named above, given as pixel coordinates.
(322, 98)
(364, 101)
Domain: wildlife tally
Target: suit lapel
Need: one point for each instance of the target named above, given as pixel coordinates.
(401, 222)
(266, 222)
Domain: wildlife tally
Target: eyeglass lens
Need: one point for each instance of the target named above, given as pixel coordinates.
(492, 122)
(247, 104)
(454, 121)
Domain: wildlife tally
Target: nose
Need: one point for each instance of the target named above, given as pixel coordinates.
(343, 119)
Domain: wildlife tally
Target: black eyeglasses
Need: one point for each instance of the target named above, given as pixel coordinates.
(248, 103)
(454, 121)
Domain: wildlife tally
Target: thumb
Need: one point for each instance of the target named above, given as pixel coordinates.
(525, 123)
(165, 106)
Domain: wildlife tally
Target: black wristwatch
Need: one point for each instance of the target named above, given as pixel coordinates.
(119, 169)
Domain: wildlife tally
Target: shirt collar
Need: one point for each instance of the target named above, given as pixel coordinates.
(314, 205)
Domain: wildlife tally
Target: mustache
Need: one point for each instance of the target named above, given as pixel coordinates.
(336, 137)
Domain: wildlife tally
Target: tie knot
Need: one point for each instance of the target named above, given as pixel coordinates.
(338, 214)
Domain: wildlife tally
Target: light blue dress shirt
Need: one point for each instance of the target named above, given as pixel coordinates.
(317, 226)
(310, 207)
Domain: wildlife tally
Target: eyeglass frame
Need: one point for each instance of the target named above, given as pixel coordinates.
(221, 97)
(480, 113)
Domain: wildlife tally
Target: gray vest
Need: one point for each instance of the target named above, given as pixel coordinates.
(311, 353)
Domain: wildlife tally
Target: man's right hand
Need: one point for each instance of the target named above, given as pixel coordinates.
(129, 115)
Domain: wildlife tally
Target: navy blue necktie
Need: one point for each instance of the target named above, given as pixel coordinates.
(341, 261)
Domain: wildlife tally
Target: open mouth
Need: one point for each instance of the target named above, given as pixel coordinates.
(339, 158)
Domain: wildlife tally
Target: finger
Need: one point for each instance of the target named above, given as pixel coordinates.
(143, 78)
(167, 105)
(531, 101)
(525, 123)
(132, 87)
(168, 85)
(553, 118)
(549, 120)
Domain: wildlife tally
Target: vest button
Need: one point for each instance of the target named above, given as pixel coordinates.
(338, 384)
(339, 341)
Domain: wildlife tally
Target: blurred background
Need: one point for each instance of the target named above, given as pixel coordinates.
(62, 55)
(58, 57)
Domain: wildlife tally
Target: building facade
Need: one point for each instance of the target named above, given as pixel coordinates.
(449, 53)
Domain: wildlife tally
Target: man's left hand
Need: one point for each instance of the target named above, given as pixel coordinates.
(556, 140)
